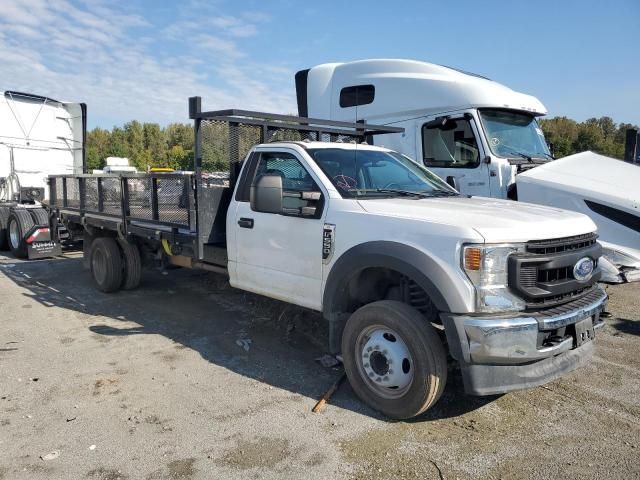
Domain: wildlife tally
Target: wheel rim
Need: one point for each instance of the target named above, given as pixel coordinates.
(14, 234)
(384, 361)
(99, 264)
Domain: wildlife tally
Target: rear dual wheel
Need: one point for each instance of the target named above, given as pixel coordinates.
(114, 264)
(394, 359)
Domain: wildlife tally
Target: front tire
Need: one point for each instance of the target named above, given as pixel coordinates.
(106, 264)
(394, 359)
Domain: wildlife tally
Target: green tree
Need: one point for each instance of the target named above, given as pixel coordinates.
(134, 135)
(155, 142)
(118, 143)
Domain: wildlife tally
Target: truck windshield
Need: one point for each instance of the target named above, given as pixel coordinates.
(514, 134)
(376, 173)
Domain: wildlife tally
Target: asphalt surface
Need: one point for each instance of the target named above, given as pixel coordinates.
(188, 378)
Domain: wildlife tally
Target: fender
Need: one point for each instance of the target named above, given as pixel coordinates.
(399, 257)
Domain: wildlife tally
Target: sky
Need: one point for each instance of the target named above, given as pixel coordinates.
(142, 59)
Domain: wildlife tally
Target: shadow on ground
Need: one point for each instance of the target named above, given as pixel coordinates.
(202, 312)
(627, 326)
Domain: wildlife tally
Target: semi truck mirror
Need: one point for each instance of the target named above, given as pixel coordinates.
(266, 194)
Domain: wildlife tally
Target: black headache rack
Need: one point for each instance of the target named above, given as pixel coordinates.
(189, 209)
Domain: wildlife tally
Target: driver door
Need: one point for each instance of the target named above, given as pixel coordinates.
(452, 151)
(280, 254)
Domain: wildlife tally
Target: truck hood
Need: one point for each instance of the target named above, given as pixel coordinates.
(496, 220)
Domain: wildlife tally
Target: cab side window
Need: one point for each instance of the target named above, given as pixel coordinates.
(452, 145)
(295, 177)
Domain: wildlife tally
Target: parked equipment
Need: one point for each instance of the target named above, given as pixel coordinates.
(403, 267)
(39, 136)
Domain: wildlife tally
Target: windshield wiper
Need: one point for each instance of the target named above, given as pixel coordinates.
(441, 193)
(521, 155)
(404, 193)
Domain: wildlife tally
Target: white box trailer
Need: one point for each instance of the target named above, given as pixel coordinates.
(39, 136)
(476, 134)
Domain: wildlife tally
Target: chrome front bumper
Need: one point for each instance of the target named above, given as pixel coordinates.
(499, 354)
(514, 340)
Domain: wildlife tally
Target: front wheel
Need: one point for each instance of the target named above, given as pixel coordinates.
(394, 359)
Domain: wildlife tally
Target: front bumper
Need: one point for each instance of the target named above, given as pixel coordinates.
(502, 353)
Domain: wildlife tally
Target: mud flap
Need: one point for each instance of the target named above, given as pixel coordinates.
(41, 245)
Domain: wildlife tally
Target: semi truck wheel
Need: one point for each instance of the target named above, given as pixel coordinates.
(18, 225)
(132, 265)
(40, 216)
(4, 235)
(4, 239)
(106, 264)
(394, 359)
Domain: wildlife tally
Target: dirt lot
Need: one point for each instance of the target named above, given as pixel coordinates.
(187, 378)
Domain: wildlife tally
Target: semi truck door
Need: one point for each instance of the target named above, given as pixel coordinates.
(280, 254)
(450, 149)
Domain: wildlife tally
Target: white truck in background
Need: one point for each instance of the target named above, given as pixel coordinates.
(39, 137)
(477, 135)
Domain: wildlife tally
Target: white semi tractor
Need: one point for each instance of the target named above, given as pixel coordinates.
(39, 137)
(477, 135)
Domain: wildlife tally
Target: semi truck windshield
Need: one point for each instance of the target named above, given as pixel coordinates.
(514, 134)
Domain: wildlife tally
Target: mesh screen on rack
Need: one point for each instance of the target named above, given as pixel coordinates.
(173, 200)
(140, 197)
(111, 200)
(73, 192)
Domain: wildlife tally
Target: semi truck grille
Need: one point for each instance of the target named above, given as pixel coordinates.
(543, 275)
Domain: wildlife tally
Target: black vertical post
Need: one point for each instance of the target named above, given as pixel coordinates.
(64, 192)
(631, 145)
(81, 191)
(53, 196)
(100, 197)
(124, 186)
(195, 109)
(154, 199)
(234, 153)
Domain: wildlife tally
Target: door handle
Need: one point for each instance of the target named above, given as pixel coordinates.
(493, 173)
(246, 222)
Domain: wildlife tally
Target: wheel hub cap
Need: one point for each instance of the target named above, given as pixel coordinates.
(386, 360)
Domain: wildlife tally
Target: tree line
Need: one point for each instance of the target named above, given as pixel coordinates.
(150, 145)
(601, 135)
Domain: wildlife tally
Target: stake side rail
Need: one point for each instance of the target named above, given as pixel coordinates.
(151, 205)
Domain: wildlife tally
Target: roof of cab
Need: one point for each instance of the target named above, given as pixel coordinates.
(408, 87)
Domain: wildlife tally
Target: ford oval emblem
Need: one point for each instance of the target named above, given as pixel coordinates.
(583, 269)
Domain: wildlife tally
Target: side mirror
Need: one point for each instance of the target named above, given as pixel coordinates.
(266, 194)
(452, 181)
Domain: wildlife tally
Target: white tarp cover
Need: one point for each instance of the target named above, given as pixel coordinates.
(569, 181)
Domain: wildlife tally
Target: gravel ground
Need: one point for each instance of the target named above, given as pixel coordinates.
(188, 378)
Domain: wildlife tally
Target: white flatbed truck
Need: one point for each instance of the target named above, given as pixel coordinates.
(310, 214)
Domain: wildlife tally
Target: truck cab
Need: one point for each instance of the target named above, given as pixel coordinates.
(474, 133)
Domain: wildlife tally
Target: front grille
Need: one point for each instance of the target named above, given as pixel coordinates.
(543, 275)
(560, 245)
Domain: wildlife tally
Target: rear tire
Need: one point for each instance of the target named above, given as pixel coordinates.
(132, 265)
(4, 240)
(18, 225)
(40, 217)
(394, 359)
(106, 264)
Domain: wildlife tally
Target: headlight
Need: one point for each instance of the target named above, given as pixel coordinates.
(487, 268)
